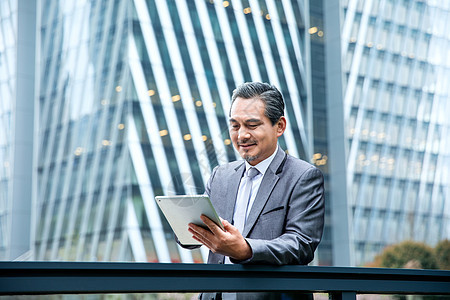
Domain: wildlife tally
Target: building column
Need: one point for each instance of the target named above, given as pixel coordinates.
(340, 215)
(23, 131)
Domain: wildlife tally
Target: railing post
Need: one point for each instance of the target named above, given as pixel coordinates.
(342, 296)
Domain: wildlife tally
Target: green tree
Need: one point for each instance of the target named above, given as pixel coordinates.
(442, 254)
(408, 254)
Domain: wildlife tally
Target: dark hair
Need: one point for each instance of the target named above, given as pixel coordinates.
(269, 94)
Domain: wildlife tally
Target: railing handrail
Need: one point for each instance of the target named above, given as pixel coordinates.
(27, 278)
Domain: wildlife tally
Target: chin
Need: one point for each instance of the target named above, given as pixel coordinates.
(250, 158)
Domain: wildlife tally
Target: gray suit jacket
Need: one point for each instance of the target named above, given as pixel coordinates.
(285, 223)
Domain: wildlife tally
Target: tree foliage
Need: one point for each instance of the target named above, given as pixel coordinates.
(442, 253)
(407, 254)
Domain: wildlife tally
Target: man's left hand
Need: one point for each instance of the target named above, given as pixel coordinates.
(230, 242)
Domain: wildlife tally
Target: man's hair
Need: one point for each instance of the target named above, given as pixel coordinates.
(269, 94)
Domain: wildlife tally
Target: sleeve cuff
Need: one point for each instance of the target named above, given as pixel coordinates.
(248, 260)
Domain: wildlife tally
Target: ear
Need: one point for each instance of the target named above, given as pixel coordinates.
(281, 126)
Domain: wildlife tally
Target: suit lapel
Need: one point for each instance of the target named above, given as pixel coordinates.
(269, 181)
(232, 190)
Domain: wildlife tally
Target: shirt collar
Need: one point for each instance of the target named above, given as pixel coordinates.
(264, 165)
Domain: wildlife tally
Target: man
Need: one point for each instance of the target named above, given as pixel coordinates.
(276, 214)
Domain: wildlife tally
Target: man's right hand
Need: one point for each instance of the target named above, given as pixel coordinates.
(230, 242)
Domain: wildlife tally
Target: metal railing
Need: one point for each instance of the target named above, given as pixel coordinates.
(34, 278)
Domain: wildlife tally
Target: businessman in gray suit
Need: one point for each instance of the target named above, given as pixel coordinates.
(271, 203)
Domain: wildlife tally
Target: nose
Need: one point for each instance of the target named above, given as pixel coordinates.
(243, 133)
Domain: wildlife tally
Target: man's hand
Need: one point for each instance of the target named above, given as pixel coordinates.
(230, 242)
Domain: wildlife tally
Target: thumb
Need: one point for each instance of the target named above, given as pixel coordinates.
(227, 226)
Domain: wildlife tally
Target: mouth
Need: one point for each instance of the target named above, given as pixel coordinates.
(246, 146)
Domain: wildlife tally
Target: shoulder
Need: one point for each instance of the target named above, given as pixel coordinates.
(223, 174)
(227, 169)
(231, 166)
(300, 168)
(294, 161)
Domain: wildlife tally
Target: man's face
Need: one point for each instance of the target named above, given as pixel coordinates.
(252, 132)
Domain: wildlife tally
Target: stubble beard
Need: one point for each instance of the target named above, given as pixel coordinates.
(250, 158)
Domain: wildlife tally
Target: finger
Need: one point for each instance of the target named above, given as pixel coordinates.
(199, 239)
(216, 230)
(202, 240)
(225, 223)
(198, 230)
(203, 235)
(228, 227)
(194, 226)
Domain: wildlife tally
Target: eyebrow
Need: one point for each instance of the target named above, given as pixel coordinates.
(246, 121)
(252, 120)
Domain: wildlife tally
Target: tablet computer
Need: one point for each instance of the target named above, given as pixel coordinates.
(182, 210)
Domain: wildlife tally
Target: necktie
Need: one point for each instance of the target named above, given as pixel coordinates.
(240, 212)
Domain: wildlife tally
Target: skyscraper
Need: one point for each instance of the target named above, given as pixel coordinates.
(395, 72)
(133, 103)
(132, 100)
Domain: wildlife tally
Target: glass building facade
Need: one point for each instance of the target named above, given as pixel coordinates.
(396, 105)
(133, 103)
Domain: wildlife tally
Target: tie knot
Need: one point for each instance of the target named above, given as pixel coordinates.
(252, 172)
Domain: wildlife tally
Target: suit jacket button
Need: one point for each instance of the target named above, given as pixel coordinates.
(220, 262)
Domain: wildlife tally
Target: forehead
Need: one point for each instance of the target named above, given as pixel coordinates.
(247, 108)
